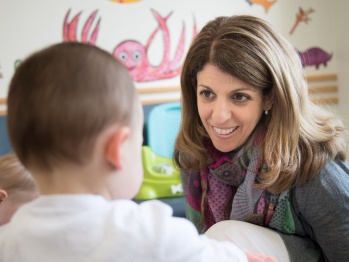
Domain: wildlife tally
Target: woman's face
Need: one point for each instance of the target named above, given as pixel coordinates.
(228, 107)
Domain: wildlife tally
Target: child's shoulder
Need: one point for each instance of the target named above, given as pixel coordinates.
(147, 212)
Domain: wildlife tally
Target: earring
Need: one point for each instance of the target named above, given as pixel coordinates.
(266, 112)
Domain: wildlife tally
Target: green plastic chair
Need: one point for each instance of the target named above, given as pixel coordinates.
(161, 179)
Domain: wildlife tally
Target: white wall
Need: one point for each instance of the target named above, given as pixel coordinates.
(341, 28)
(28, 25)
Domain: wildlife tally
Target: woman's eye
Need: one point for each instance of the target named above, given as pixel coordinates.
(206, 94)
(241, 97)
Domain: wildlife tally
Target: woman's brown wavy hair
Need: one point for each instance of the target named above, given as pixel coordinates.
(300, 137)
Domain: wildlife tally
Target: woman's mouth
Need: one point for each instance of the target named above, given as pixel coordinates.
(224, 131)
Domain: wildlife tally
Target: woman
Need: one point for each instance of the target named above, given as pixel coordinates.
(253, 147)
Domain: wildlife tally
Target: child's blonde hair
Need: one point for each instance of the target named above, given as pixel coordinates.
(15, 179)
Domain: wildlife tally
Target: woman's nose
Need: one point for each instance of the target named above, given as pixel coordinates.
(221, 112)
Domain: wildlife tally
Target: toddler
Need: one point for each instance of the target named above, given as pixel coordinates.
(17, 186)
(75, 121)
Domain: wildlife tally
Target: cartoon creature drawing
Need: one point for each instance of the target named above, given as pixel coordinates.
(132, 53)
(69, 29)
(265, 3)
(314, 56)
(302, 16)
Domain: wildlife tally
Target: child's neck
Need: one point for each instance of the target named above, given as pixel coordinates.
(72, 179)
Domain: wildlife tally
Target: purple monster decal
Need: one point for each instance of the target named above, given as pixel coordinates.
(314, 56)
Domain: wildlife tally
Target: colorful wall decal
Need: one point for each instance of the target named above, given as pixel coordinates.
(302, 16)
(69, 29)
(265, 3)
(17, 63)
(314, 56)
(132, 53)
(163, 38)
(135, 55)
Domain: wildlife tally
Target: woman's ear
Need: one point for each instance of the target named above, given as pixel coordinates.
(114, 146)
(269, 101)
(3, 195)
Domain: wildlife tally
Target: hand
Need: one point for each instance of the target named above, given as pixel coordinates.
(257, 257)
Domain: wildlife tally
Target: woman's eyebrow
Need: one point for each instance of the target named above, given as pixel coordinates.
(243, 88)
(205, 86)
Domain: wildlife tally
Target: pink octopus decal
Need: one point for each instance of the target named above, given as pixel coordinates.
(132, 53)
(69, 29)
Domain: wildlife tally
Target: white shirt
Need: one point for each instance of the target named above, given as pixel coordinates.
(90, 228)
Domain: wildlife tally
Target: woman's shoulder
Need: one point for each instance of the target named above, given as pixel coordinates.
(339, 163)
(322, 205)
(329, 185)
(335, 172)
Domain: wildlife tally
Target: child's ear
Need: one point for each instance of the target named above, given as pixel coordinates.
(3, 195)
(114, 146)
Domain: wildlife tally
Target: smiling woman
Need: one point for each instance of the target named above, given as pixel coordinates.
(261, 164)
(229, 108)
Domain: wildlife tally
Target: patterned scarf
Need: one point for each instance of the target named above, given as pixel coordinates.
(225, 190)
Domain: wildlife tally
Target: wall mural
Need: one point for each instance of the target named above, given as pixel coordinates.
(17, 63)
(69, 29)
(135, 55)
(302, 16)
(313, 56)
(132, 53)
(265, 3)
(153, 50)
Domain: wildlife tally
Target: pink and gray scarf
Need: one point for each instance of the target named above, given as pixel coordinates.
(225, 190)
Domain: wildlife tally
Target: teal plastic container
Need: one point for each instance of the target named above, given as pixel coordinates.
(162, 128)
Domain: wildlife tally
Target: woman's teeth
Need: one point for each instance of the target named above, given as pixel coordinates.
(224, 131)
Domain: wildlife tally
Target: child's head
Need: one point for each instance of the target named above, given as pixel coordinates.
(16, 186)
(62, 98)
